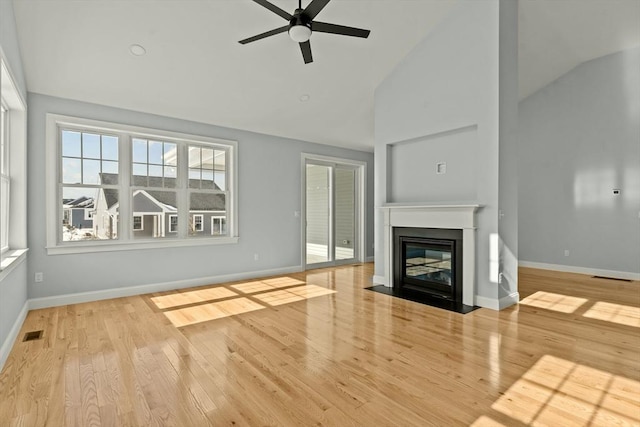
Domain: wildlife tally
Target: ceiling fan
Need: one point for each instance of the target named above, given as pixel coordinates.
(301, 25)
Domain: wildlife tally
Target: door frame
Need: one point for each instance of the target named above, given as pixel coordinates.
(360, 204)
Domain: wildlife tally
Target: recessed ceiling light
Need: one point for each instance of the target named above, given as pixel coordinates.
(305, 97)
(137, 50)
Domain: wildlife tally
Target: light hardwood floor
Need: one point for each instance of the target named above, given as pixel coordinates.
(315, 348)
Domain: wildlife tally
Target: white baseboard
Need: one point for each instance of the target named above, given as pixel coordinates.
(82, 297)
(498, 304)
(379, 280)
(581, 270)
(485, 302)
(7, 345)
(509, 300)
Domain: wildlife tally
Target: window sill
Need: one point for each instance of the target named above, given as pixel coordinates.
(88, 247)
(10, 260)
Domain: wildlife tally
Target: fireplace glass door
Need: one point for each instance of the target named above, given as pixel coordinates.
(427, 265)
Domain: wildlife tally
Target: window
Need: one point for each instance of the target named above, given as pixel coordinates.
(66, 216)
(13, 177)
(173, 223)
(5, 178)
(196, 223)
(122, 179)
(218, 225)
(138, 225)
(87, 158)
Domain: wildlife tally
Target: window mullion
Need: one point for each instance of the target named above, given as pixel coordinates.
(183, 193)
(125, 196)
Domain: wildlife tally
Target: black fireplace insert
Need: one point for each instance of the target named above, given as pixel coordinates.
(428, 261)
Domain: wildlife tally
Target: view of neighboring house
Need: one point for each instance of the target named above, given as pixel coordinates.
(155, 212)
(77, 219)
(78, 212)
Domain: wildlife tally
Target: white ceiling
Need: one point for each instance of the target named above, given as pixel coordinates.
(195, 69)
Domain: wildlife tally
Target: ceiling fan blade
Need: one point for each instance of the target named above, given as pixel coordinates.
(275, 9)
(305, 47)
(323, 27)
(263, 35)
(315, 7)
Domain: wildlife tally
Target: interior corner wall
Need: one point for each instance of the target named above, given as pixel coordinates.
(580, 140)
(269, 192)
(447, 85)
(13, 287)
(508, 154)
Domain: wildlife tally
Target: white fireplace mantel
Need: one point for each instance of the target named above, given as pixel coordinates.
(451, 216)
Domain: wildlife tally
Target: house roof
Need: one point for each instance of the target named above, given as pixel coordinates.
(81, 202)
(199, 201)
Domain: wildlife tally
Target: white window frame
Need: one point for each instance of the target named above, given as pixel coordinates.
(141, 222)
(88, 214)
(201, 216)
(16, 156)
(171, 217)
(5, 178)
(125, 133)
(221, 218)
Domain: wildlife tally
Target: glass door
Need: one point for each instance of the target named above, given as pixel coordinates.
(331, 214)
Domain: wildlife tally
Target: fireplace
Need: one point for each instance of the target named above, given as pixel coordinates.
(460, 217)
(428, 261)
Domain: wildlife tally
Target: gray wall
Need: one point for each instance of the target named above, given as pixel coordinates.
(13, 288)
(9, 43)
(509, 150)
(441, 104)
(580, 139)
(268, 198)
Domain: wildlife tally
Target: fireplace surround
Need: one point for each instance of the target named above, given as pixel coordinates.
(459, 217)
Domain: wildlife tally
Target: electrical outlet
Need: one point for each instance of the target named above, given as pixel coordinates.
(39, 277)
(256, 257)
(566, 252)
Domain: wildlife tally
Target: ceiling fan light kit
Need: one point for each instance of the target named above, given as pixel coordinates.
(302, 25)
(299, 33)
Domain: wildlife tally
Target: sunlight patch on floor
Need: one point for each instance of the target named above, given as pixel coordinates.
(555, 388)
(555, 302)
(211, 311)
(280, 290)
(266, 285)
(616, 313)
(285, 296)
(192, 297)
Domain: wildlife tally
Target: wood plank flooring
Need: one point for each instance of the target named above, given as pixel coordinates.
(316, 348)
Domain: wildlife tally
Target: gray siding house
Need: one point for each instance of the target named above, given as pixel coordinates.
(155, 212)
(78, 213)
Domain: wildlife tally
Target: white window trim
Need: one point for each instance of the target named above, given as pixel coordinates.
(213, 218)
(55, 247)
(141, 223)
(201, 222)
(177, 224)
(17, 153)
(5, 175)
(88, 214)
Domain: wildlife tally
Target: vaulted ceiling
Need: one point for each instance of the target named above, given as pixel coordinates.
(195, 69)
